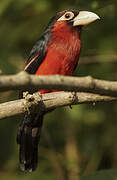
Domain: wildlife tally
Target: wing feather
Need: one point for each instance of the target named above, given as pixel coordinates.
(36, 56)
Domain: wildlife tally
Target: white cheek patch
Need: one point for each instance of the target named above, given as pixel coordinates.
(64, 18)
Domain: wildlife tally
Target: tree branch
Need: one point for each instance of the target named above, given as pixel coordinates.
(24, 81)
(45, 102)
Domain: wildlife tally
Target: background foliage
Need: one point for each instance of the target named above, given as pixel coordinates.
(81, 140)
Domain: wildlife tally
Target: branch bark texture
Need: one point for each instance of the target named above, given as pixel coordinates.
(24, 81)
(49, 101)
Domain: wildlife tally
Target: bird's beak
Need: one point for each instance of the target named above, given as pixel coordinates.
(84, 18)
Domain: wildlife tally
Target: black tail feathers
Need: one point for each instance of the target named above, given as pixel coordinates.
(28, 139)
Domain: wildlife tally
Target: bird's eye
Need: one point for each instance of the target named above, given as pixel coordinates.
(67, 15)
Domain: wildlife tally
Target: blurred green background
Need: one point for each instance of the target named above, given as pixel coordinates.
(74, 141)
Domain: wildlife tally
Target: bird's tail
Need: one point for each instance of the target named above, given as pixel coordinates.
(28, 138)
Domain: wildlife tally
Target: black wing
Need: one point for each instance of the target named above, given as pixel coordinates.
(39, 50)
(36, 56)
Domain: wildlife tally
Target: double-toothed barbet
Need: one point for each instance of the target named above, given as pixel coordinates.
(56, 52)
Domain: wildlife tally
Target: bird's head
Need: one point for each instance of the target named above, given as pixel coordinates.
(72, 18)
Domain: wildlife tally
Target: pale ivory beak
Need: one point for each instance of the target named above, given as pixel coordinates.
(84, 18)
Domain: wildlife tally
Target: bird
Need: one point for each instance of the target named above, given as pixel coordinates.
(56, 52)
